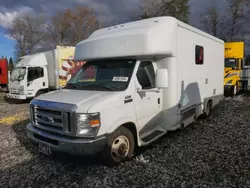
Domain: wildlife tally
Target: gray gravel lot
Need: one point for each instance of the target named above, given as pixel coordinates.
(8, 109)
(214, 152)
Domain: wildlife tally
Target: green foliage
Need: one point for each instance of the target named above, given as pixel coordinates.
(10, 65)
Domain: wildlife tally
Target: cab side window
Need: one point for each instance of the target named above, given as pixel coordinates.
(146, 75)
(35, 73)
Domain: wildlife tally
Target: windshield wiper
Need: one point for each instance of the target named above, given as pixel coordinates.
(77, 86)
(102, 86)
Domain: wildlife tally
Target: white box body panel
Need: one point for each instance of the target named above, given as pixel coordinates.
(190, 73)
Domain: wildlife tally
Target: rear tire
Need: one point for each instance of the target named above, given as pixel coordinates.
(119, 147)
(208, 109)
(235, 89)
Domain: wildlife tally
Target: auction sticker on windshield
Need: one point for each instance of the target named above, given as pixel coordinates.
(120, 79)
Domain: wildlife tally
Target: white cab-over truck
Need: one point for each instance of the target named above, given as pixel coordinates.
(151, 76)
(39, 73)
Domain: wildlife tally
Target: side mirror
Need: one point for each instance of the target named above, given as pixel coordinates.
(161, 80)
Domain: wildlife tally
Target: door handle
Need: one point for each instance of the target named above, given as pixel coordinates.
(43, 83)
(206, 81)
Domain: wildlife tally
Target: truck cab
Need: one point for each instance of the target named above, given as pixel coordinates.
(29, 77)
(234, 55)
(3, 73)
(44, 71)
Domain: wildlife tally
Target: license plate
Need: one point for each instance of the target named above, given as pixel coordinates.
(44, 148)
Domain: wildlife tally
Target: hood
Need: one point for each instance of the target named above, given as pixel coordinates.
(15, 84)
(81, 98)
(226, 70)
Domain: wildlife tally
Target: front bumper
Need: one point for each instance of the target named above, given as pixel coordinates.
(16, 96)
(68, 145)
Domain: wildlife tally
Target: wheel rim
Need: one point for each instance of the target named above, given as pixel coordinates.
(235, 90)
(120, 148)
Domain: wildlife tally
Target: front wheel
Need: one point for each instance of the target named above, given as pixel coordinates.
(119, 147)
(235, 90)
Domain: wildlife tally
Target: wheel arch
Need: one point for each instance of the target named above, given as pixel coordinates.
(131, 126)
(41, 91)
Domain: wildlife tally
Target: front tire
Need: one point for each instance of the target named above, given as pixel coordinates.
(119, 147)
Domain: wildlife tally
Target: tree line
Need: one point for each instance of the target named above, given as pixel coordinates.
(73, 25)
(229, 25)
(64, 28)
(10, 63)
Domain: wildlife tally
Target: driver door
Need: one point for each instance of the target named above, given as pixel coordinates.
(148, 104)
(36, 80)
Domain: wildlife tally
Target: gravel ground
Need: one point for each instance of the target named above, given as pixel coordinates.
(8, 109)
(214, 152)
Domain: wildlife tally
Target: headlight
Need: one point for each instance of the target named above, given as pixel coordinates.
(229, 82)
(21, 90)
(88, 124)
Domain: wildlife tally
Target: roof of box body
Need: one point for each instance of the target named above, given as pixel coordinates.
(37, 59)
(149, 37)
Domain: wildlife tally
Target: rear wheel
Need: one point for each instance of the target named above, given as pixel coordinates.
(119, 147)
(208, 110)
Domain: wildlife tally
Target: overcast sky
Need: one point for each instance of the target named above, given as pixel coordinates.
(112, 11)
(115, 11)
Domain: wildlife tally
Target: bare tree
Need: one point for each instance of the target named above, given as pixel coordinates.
(214, 22)
(59, 28)
(238, 11)
(28, 32)
(84, 22)
(229, 26)
(176, 8)
(70, 27)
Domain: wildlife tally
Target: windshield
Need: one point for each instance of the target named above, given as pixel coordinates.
(18, 74)
(230, 63)
(110, 75)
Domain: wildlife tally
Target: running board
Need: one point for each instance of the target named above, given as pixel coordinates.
(152, 135)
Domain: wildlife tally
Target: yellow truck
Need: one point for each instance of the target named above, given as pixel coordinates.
(234, 62)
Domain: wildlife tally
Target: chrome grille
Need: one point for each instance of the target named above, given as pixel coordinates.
(14, 91)
(63, 116)
(52, 120)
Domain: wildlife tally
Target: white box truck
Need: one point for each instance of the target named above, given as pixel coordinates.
(150, 77)
(42, 72)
